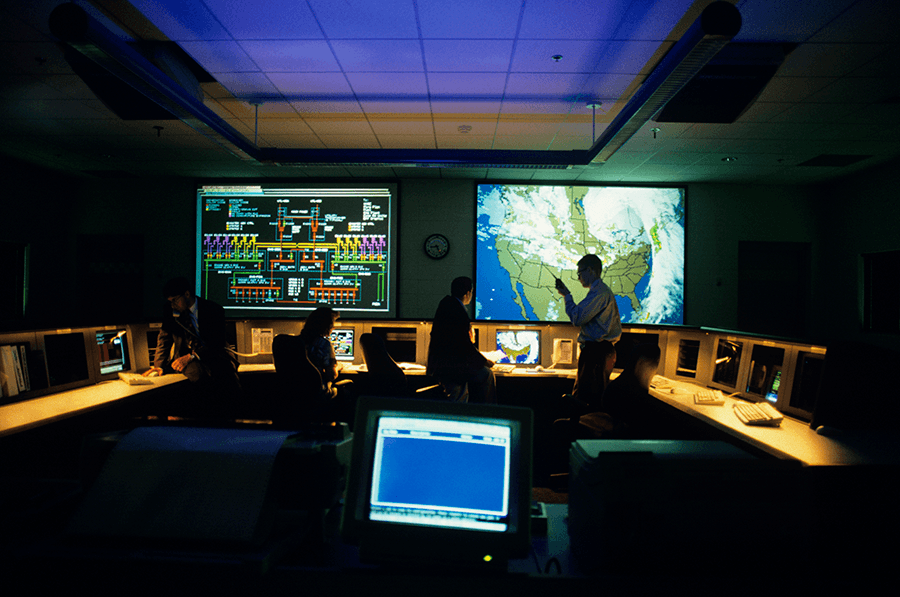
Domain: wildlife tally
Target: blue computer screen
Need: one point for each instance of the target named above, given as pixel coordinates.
(437, 472)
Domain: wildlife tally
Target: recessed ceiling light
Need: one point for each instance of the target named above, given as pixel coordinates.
(729, 159)
(464, 128)
(556, 57)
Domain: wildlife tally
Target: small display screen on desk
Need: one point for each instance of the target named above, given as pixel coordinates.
(521, 347)
(343, 342)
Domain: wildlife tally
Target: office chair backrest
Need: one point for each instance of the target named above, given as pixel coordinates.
(385, 375)
(299, 380)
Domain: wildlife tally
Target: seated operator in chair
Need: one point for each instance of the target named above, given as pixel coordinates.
(453, 358)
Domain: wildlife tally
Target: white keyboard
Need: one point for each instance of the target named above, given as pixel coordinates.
(761, 413)
(708, 396)
(504, 367)
(135, 379)
(661, 383)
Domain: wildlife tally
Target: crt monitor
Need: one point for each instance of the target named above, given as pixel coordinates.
(66, 357)
(521, 347)
(439, 483)
(342, 339)
(112, 351)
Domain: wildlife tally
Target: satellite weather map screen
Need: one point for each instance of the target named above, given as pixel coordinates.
(528, 235)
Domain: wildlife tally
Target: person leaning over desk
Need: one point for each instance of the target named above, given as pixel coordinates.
(598, 316)
(192, 340)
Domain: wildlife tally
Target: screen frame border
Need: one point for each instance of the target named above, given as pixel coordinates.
(457, 544)
(394, 217)
(686, 262)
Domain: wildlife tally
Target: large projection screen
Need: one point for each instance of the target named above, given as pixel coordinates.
(529, 234)
(279, 250)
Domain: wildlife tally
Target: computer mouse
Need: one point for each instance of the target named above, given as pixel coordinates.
(538, 368)
(827, 431)
(154, 374)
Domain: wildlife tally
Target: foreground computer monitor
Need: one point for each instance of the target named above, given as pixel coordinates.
(435, 483)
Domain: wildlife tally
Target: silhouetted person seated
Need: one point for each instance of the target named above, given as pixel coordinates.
(315, 336)
(627, 400)
(384, 377)
(453, 358)
(626, 411)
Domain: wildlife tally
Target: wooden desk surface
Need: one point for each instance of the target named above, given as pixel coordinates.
(28, 414)
(792, 439)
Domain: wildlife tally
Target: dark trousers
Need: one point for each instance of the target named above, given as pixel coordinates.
(592, 377)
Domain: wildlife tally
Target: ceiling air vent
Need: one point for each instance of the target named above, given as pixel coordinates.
(727, 85)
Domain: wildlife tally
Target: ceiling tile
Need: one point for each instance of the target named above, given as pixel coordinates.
(468, 55)
(247, 85)
(220, 56)
(774, 21)
(575, 19)
(375, 55)
(283, 127)
(862, 21)
(296, 56)
(380, 86)
(455, 140)
(484, 108)
(182, 20)
(312, 85)
(328, 127)
(469, 19)
(402, 127)
(281, 19)
(361, 19)
(828, 60)
(349, 141)
(466, 86)
(793, 89)
(390, 141)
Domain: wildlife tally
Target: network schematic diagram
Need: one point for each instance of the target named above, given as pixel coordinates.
(279, 251)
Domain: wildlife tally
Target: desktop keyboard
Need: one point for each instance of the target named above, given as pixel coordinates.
(504, 367)
(708, 396)
(661, 383)
(135, 379)
(761, 413)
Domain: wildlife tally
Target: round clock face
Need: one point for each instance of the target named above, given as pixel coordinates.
(437, 246)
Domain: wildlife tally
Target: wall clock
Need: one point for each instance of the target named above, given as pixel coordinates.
(437, 246)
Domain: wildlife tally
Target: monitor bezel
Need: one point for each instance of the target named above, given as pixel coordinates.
(384, 542)
(128, 365)
(301, 311)
(540, 339)
(352, 356)
(480, 317)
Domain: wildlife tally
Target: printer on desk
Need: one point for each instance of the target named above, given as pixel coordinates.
(206, 486)
(672, 507)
